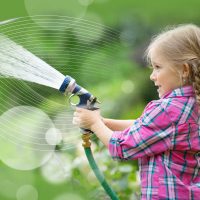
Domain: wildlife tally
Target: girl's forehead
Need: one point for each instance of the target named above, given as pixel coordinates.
(157, 55)
(157, 59)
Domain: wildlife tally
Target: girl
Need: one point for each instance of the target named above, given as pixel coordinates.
(166, 138)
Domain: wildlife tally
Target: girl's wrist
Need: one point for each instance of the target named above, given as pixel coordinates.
(103, 120)
(98, 124)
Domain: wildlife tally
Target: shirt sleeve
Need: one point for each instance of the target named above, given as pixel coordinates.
(149, 135)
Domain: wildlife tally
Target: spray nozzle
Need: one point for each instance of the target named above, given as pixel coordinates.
(86, 99)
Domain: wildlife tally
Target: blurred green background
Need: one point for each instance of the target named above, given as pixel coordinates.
(101, 44)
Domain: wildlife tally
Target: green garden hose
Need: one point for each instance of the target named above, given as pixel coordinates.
(93, 165)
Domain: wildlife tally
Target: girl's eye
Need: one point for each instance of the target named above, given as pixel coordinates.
(157, 67)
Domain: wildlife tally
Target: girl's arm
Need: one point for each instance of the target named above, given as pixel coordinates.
(102, 132)
(117, 125)
(148, 136)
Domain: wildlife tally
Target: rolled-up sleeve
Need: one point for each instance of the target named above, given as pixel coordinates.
(149, 135)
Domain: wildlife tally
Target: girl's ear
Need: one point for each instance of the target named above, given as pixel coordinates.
(186, 70)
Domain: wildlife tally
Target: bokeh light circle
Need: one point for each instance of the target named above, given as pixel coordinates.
(91, 34)
(53, 136)
(27, 192)
(22, 137)
(73, 9)
(70, 133)
(58, 169)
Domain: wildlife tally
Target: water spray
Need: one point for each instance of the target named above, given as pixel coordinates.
(31, 68)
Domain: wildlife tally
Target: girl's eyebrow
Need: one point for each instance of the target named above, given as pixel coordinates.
(155, 64)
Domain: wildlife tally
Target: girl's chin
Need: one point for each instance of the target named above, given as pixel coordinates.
(160, 94)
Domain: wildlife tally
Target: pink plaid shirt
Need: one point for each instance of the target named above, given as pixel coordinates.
(166, 142)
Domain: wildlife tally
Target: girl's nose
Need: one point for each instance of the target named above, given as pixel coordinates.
(153, 76)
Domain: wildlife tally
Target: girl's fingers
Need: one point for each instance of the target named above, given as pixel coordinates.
(75, 114)
(78, 109)
(76, 121)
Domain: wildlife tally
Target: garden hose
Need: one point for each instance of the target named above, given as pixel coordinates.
(86, 144)
(88, 101)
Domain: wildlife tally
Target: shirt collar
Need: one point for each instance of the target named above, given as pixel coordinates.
(185, 91)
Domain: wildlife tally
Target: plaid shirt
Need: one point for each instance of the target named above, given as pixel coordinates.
(166, 142)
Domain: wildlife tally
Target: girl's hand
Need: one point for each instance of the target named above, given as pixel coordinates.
(86, 118)
(92, 120)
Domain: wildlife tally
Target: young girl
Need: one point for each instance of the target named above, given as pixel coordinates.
(166, 138)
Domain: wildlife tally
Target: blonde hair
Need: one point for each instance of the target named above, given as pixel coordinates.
(180, 45)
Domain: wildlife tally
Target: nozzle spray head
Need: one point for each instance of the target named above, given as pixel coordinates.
(68, 85)
(86, 99)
